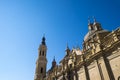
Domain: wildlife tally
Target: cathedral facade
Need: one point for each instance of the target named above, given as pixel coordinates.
(98, 60)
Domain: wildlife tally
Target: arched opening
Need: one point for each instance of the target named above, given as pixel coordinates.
(41, 70)
(40, 53)
(43, 53)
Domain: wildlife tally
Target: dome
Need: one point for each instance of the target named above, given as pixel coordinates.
(91, 33)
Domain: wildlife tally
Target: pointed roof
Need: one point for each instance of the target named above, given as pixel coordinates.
(67, 47)
(43, 40)
(53, 63)
(54, 59)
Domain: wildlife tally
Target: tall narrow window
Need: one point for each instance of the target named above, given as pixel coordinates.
(43, 53)
(41, 70)
(40, 53)
(70, 65)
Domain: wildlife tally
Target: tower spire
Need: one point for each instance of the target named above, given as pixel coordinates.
(67, 49)
(53, 62)
(43, 40)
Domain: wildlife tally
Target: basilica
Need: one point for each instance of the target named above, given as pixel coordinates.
(98, 60)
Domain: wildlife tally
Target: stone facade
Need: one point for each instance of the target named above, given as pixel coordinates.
(98, 60)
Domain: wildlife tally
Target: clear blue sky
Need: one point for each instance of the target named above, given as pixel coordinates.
(23, 23)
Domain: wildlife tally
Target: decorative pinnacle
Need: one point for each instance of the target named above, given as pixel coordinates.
(44, 35)
(43, 40)
(67, 46)
(88, 20)
(54, 59)
(94, 19)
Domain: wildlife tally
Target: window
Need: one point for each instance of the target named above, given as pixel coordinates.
(43, 53)
(41, 70)
(70, 65)
(40, 53)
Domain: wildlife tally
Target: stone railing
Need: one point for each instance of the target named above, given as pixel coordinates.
(111, 38)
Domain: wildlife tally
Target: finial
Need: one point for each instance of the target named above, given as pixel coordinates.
(78, 47)
(88, 20)
(67, 46)
(73, 47)
(44, 35)
(43, 40)
(94, 19)
(54, 58)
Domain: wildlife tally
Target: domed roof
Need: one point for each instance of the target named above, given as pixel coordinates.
(94, 28)
(91, 33)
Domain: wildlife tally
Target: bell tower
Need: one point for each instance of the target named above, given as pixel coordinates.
(41, 62)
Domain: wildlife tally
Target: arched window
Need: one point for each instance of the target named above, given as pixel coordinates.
(40, 53)
(43, 53)
(41, 70)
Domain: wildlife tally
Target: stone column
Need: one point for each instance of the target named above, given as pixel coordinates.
(99, 70)
(86, 72)
(108, 68)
